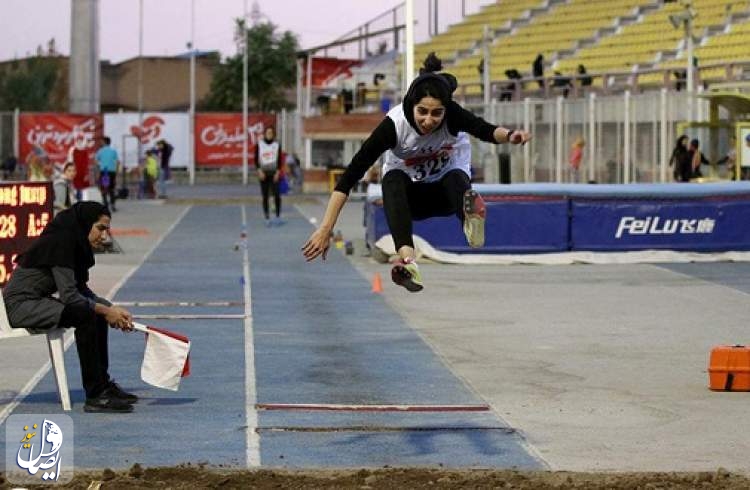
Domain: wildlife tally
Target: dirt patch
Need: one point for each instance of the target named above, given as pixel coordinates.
(198, 477)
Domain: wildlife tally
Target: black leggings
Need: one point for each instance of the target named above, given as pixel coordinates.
(404, 201)
(91, 342)
(266, 186)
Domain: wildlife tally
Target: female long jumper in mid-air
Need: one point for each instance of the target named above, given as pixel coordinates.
(426, 172)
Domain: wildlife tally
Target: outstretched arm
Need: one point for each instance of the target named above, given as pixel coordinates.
(459, 119)
(382, 139)
(320, 240)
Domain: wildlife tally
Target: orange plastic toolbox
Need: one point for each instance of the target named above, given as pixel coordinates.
(729, 368)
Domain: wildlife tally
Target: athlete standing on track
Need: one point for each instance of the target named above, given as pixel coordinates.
(269, 164)
(426, 172)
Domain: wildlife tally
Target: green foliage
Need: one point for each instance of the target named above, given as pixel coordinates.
(271, 72)
(29, 85)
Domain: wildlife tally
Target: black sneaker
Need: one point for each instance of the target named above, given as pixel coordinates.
(113, 390)
(106, 404)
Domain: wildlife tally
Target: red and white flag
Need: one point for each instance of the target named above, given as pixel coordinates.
(166, 358)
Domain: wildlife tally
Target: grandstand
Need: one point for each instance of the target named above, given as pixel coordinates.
(466, 35)
(606, 36)
(631, 49)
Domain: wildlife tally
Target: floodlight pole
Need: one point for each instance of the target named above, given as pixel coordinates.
(690, 71)
(486, 66)
(244, 95)
(191, 135)
(409, 68)
(140, 76)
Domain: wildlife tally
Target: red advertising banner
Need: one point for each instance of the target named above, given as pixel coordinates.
(324, 70)
(56, 134)
(218, 137)
(25, 209)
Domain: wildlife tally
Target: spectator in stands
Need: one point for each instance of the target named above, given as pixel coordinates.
(79, 155)
(575, 158)
(38, 164)
(294, 171)
(348, 97)
(426, 171)
(584, 78)
(151, 172)
(65, 194)
(564, 82)
(108, 161)
(537, 69)
(165, 154)
(9, 166)
(59, 262)
(681, 160)
(730, 159)
(745, 163)
(697, 158)
(361, 91)
(270, 166)
(509, 89)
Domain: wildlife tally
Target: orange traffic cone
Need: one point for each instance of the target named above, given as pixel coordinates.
(377, 284)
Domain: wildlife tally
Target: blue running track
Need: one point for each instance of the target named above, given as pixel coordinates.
(319, 337)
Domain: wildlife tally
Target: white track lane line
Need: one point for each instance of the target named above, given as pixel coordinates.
(176, 304)
(36, 378)
(188, 317)
(252, 454)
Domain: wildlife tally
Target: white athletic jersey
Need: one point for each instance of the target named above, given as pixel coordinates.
(426, 158)
(267, 155)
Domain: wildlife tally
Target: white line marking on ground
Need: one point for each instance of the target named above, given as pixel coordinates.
(251, 414)
(159, 304)
(523, 441)
(306, 216)
(339, 407)
(708, 282)
(188, 317)
(69, 336)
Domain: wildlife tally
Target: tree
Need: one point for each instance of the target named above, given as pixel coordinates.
(30, 85)
(271, 71)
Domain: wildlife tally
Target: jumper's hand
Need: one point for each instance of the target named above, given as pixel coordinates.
(317, 244)
(519, 137)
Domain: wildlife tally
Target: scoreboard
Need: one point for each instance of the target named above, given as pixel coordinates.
(25, 209)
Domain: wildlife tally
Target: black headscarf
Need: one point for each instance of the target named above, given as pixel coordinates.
(438, 85)
(65, 241)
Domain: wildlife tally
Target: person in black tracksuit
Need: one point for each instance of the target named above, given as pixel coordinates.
(426, 172)
(269, 165)
(681, 159)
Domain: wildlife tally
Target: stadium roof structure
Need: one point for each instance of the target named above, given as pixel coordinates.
(737, 103)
